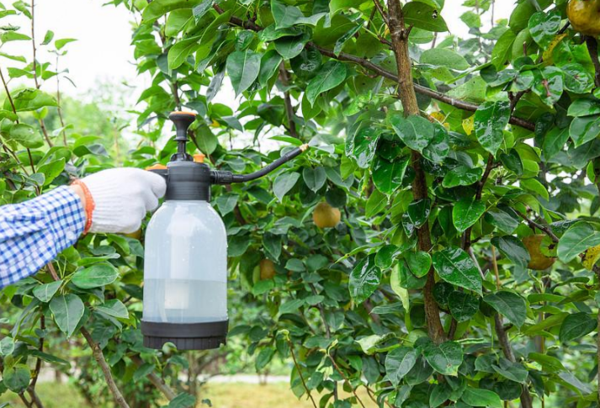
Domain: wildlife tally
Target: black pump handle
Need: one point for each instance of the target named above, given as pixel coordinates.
(182, 121)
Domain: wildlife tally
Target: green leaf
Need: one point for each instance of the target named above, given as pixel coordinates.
(290, 47)
(207, 141)
(388, 176)
(462, 176)
(577, 325)
(445, 358)
(181, 50)
(399, 362)
(29, 100)
(7, 346)
(16, 378)
(67, 311)
(44, 293)
(288, 16)
(419, 263)
(97, 275)
(329, 76)
(490, 120)
(364, 279)
(314, 178)
(243, 68)
(477, 397)
(503, 49)
(577, 239)
(264, 357)
(59, 44)
(443, 57)
(415, 131)
(577, 79)
(582, 130)
(284, 183)
(455, 266)
(513, 371)
(584, 107)
(183, 400)
(159, 8)
(339, 44)
(114, 308)
(536, 187)
(462, 305)
(550, 86)
(269, 65)
(554, 141)
(513, 249)
(467, 212)
(201, 9)
(544, 26)
(424, 16)
(364, 146)
(508, 304)
(26, 135)
(52, 170)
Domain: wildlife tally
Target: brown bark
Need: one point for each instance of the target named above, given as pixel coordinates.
(407, 95)
(110, 381)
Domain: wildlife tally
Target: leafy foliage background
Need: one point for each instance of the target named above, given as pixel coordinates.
(422, 294)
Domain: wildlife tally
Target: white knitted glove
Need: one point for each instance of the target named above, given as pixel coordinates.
(122, 197)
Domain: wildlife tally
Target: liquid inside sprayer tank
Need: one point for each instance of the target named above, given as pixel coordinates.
(185, 264)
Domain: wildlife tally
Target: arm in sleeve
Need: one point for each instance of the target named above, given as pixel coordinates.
(32, 233)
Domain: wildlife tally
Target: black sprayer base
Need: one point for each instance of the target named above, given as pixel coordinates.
(185, 336)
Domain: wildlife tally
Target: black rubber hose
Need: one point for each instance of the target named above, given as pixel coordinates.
(226, 177)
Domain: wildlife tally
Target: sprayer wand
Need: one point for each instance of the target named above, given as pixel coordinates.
(227, 177)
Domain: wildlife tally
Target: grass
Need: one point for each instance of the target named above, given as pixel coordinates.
(234, 395)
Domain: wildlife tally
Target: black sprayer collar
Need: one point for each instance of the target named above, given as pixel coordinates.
(188, 180)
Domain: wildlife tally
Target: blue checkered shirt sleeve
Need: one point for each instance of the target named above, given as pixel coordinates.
(32, 233)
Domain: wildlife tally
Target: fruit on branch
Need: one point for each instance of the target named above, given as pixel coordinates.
(267, 269)
(584, 16)
(326, 216)
(590, 257)
(538, 261)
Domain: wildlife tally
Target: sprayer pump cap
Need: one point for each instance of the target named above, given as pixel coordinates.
(188, 180)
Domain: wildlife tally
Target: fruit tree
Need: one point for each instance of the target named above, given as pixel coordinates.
(436, 246)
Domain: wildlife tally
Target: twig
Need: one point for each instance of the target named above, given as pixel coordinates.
(379, 8)
(345, 379)
(592, 46)
(99, 357)
(59, 106)
(300, 373)
(505, 344)
(495, 264)
(35, 77)
(289, 108)
(156, 380)
(543, 228)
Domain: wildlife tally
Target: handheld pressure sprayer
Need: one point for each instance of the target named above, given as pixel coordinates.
(185, 264)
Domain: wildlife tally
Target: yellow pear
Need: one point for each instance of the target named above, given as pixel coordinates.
(584, 16)
(326, 216)
(538, 260)
(267, 269)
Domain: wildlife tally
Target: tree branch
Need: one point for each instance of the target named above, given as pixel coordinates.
(592, 46)
(156, 380)
(457, 103)
(284, 77)
(300, 373)
(110, 381)
(532, 224)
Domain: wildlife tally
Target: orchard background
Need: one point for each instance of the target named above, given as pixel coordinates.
(462, 271)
